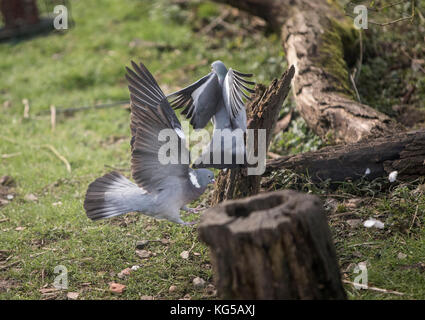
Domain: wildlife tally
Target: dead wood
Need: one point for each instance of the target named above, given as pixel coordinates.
(272, 246)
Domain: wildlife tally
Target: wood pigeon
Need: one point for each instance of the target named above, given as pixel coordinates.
(161, 190)
(218, 97)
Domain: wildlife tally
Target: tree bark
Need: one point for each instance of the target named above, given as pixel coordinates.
(262, 113)
(318, 47)
(272, 246)
(401, 152)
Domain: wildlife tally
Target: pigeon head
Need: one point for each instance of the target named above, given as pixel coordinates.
(200, 178)
(220, 69)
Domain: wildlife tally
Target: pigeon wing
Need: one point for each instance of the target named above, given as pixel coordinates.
(146, 93)
(147, 122)
(234, 87)
(199, 100)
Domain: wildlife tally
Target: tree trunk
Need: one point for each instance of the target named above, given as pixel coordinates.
(402, 152)
(318, 47)
(272, 246)
(17, 13)
(262, 113)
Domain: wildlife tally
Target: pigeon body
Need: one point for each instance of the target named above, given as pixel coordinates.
(217, 97)
(161, 190)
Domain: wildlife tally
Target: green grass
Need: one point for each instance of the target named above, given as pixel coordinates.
(84, 66)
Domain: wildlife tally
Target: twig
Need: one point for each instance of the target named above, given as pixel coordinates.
(360, 61)
(57, 154)
(355, 88)
(98, 106)
(9, 265)
(10, 155)
(215, 22)
(361, 244)
(273, 155)
(364, 286)
(53, 117)
(26, 108)
(414, 217)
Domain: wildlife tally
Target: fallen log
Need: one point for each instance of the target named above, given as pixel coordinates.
(262, 113)
(319, 47)
(401, 152)
(272, 246)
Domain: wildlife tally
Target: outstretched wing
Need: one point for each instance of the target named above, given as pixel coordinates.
(199, 100)
(145, 92)
(234, 87)
(150, 115)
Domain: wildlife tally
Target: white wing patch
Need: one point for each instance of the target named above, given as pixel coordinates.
(193, 179)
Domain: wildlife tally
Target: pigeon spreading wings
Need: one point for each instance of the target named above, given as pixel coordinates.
(161, 190)
(150, 114)
(202, 100)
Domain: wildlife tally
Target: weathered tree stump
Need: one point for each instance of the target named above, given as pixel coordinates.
(272, 246)
(262, 112)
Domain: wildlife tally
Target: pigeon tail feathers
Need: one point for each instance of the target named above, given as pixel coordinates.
(103, 198)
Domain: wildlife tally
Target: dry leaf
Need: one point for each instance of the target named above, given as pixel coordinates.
(184, 254)
(124, 273)
(19, 228)
(146, 298)
(72, 295)
(198, 283)
(30, 197)
(47, 290)
(143, 254)
(116, 287)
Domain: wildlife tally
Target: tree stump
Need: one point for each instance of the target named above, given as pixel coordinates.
(272, 246)
(263, 112)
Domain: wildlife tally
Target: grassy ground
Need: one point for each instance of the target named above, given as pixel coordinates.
(44, 224)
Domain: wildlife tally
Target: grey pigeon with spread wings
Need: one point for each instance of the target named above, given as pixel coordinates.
(218, 97)
(161, 190)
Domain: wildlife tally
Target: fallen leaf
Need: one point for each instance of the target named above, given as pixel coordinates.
(19, 228)
(165, 241)
(72, 295)
(401, 255)
(30, 197)
(143, 254)
(116, 287)
(184, 254)
(198, 283)
(124, 273)
(146, 298)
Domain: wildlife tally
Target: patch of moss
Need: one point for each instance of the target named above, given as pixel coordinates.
(337, 45)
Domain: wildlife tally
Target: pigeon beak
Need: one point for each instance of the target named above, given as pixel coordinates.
(213, 181)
